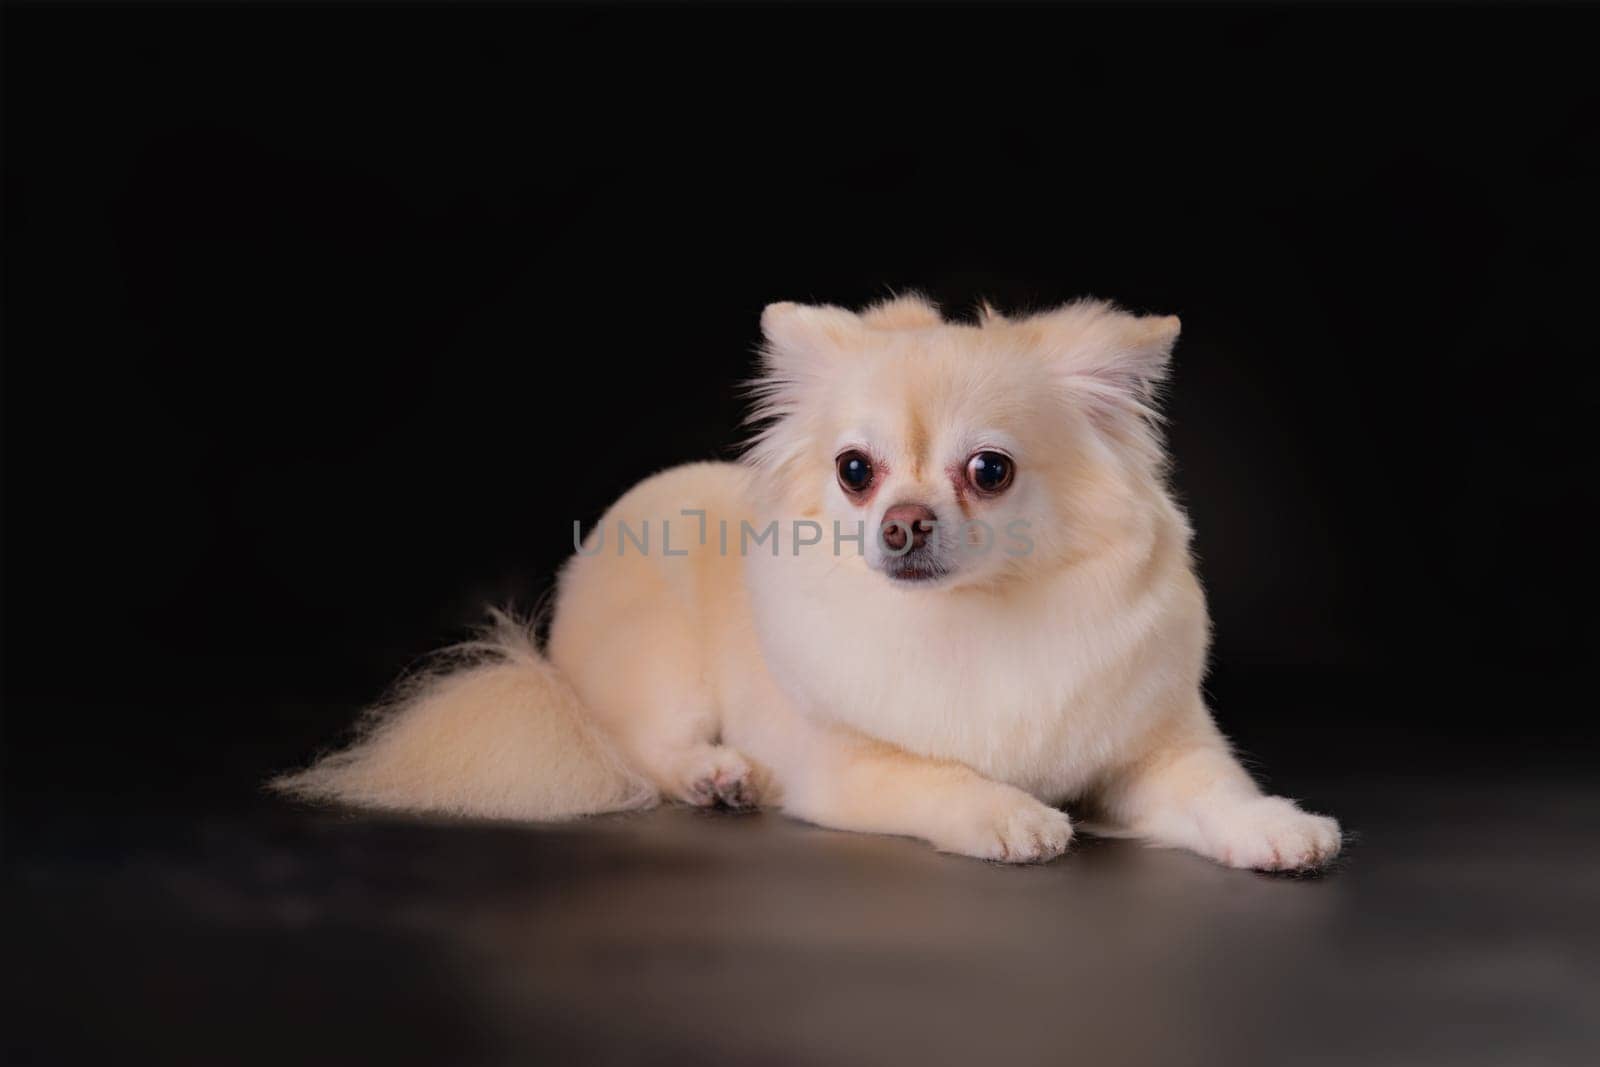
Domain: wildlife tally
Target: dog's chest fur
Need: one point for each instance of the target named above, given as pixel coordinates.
(1043, 687)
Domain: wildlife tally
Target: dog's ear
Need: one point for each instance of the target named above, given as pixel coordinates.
(1105, 353)
(806, 336)
(802, 343)
(1136, 353)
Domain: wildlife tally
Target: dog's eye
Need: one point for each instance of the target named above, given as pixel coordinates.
(990, 472)
(855, 471)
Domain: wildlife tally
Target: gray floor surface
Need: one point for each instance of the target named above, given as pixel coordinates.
(1459, 929)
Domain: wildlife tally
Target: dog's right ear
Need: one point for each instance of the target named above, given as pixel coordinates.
(803, 338)
(802, 343)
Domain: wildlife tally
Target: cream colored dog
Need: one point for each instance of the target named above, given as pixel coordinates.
(947, 592)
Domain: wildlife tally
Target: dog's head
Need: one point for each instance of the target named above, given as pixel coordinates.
(968, 453)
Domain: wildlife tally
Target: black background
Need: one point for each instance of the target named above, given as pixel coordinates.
(322, 325)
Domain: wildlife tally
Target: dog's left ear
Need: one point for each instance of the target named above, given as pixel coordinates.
(1104, 352)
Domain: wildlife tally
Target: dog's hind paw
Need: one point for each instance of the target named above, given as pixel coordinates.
(717, 775)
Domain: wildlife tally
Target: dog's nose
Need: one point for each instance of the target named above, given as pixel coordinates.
(903, 520)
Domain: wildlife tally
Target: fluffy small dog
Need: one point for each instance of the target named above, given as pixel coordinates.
(946, 592)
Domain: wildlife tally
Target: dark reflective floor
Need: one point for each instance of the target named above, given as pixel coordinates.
(1458, 930)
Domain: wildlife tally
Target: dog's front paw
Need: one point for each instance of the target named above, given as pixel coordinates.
(1009, 826)
(1273, 834)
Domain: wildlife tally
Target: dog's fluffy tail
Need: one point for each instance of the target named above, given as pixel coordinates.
(494, 732)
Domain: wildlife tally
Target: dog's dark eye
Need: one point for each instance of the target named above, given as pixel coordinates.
(855, 471)
(990, 472)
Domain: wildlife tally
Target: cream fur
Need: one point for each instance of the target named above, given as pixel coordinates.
(496, 733)
(962, 709)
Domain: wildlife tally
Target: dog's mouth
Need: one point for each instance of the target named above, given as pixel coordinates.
(916, 570)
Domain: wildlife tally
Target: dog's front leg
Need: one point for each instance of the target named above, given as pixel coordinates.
(838, 778)
(1192, 793)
